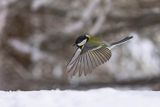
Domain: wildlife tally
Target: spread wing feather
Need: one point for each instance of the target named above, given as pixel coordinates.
(88, 61)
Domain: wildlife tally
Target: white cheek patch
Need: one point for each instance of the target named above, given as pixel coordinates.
(82, 43)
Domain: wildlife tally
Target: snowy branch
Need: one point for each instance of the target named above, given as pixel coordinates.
(86, 16)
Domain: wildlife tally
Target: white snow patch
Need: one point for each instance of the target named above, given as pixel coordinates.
(105, 97)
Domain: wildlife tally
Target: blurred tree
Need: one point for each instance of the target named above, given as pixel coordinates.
(35, 34)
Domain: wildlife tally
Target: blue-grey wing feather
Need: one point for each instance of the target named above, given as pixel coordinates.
(89, 59)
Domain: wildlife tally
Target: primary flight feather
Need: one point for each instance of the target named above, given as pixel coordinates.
(91, 52)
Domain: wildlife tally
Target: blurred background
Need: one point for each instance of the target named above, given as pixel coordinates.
(36, 38)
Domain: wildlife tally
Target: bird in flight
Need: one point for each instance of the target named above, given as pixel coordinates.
(91, 52)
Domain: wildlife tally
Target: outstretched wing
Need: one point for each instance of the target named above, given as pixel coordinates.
(88, 60)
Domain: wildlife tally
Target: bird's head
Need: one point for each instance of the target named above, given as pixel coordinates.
(82, 40)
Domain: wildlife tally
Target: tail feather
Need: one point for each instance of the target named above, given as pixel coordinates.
(121, 41)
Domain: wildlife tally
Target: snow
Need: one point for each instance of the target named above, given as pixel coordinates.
(104, 97)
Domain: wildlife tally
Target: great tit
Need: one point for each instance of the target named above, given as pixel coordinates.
(91, 52)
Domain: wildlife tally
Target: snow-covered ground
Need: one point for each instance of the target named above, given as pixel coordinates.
(105, 97)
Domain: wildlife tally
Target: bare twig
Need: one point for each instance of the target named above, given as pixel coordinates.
(86, 16)
(101, 17)
(35, 53)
